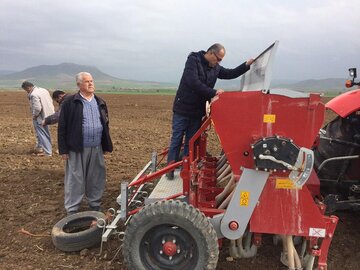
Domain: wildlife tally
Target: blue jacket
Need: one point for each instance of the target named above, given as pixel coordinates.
(197, 84)
(70, 133)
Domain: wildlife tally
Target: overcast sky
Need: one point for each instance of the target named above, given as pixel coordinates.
(150, 39)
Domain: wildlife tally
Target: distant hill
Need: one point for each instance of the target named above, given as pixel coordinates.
(323, 85)
(6, 72)
(235, 83)
(62, 76)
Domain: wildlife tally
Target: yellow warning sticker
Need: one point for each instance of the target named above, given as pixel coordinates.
(284, 183)
(244, 198)
(269, 118)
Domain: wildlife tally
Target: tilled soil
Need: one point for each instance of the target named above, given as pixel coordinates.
(32, 189)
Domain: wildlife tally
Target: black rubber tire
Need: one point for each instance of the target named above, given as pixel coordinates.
(344, 130)
(74, 233)
(196, 239)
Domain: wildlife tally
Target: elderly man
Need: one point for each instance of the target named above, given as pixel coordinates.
(41, 106)
(201, 71)
(83, 138)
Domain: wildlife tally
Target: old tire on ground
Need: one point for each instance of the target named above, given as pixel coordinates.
(77, 231)
(170, 235)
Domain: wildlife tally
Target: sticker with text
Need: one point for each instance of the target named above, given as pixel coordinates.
(269, 118)
(244, 198)
(284, 183)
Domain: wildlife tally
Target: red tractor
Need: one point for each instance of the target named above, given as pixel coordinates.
(262, 183)
(337, 157)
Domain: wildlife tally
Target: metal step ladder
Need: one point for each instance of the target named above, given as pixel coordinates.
(166, 188)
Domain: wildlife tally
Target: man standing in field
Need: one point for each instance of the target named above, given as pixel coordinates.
(83, 138)
(41, 106)
(196, 87)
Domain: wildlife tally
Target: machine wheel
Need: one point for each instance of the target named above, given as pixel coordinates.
(170, 235)
(77, 231)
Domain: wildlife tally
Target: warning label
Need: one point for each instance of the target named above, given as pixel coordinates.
(284, 183)
(269, 118)
(244, 198)
(317, 232)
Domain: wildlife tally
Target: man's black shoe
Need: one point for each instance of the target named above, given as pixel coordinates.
(170, 175)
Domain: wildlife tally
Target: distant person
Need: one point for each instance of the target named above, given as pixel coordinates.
(83, 138)
(196, 87)
(59, 97)
(41, 106)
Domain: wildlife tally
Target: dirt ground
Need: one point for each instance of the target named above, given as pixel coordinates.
(31, 189)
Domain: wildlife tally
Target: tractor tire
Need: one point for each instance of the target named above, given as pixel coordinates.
(77, 231)
(343, 130)
(170, 235)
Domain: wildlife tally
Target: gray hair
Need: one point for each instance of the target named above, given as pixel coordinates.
(79, 76)
(26, 84)
(215, 48)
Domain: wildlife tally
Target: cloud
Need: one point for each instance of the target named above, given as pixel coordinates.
(149, 40)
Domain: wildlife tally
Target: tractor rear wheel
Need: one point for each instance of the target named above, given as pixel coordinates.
(170, 235)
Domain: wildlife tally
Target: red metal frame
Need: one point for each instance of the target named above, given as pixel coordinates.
(240, 119)
(150, 177)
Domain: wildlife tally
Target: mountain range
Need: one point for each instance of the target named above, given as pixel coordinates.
(62, 77)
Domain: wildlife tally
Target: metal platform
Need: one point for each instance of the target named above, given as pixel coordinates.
(166, 188)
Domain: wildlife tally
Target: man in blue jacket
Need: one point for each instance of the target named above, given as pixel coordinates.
(196, 87)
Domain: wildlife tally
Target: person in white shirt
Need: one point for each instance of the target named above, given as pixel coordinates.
(41, 106)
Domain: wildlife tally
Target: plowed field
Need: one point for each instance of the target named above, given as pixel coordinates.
(31, 189)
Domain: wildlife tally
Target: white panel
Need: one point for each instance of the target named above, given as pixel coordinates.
(260, 73)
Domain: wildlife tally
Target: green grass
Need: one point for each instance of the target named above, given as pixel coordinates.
(139, 91)
(332, 94)
(162, 91)
(110, 86)
(170, 92)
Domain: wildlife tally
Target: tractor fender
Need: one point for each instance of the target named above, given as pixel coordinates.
(346, 103)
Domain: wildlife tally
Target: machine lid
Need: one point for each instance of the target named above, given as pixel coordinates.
(260, 73)
(346, 103)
